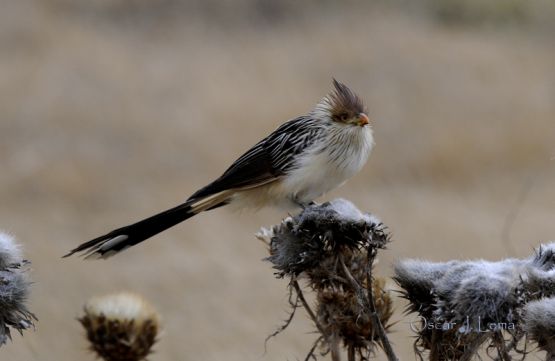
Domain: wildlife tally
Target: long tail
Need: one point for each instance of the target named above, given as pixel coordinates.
(128, 236)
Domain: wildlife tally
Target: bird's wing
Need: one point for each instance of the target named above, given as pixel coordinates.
(291, 139)
(267, 161)
(251, 169)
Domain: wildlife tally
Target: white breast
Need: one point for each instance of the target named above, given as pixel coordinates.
(329, 163)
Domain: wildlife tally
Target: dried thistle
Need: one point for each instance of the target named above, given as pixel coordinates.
(120, 327)
(341, 314)
(14, 289)
(333, 246)
(464, 304)
(304, 242)
(539, 277)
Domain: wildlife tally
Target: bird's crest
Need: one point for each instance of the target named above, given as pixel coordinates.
(342, 103)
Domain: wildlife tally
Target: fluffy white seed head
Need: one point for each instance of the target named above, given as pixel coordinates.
(14, 289)
(540, 316)
(421, 271)
(348, 212)
(471, 294)
(539, 323)
(122, 306)
(10, 251)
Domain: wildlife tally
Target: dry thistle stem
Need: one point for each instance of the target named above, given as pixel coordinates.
(464, 304)
(333, 246)
(14, 289)
(121, 326)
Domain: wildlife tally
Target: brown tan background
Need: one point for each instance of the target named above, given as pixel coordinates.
(113, 110)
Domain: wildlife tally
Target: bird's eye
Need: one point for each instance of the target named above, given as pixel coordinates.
(343, 117)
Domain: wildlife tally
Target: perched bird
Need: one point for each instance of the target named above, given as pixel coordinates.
(297, 163)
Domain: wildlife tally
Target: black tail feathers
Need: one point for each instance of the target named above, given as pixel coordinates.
(125, 237)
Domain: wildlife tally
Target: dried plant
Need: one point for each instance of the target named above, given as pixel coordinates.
(463, 305)
(341, 313)
(120, 327)
(14, 289)
(539, 323)
(332, 246)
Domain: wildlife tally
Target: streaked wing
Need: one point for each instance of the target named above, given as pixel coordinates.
(268, 160)
(290, 139)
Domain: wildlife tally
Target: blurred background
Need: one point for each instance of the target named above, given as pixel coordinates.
(112, 110)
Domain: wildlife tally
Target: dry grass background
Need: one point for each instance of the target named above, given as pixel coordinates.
(113, 110)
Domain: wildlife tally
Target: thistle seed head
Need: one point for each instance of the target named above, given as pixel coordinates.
(481, 300)
(305, 242)
(10, 251)
(120, 327)
(539, 278)
(539, 323)
(14, 289)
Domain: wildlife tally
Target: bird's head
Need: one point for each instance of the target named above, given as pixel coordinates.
(343, 106)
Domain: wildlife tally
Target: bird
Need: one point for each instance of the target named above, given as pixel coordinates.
(295, 164)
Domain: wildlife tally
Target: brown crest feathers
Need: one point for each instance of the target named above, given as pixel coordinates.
(344, 102)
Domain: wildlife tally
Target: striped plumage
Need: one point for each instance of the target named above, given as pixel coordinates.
(298, 162)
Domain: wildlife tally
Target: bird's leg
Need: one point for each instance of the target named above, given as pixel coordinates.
(297, 199)
(306, 205)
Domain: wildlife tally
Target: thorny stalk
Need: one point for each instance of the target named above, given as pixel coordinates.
(470, 351)
(335, 355)
(307, 306)
(334, 349)
(368, 302)
(502, 352)
(313, 348)
(351, 353)
(512, 345)
(294, 305)
(434, 351)
(358, 288)
(376, 323)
